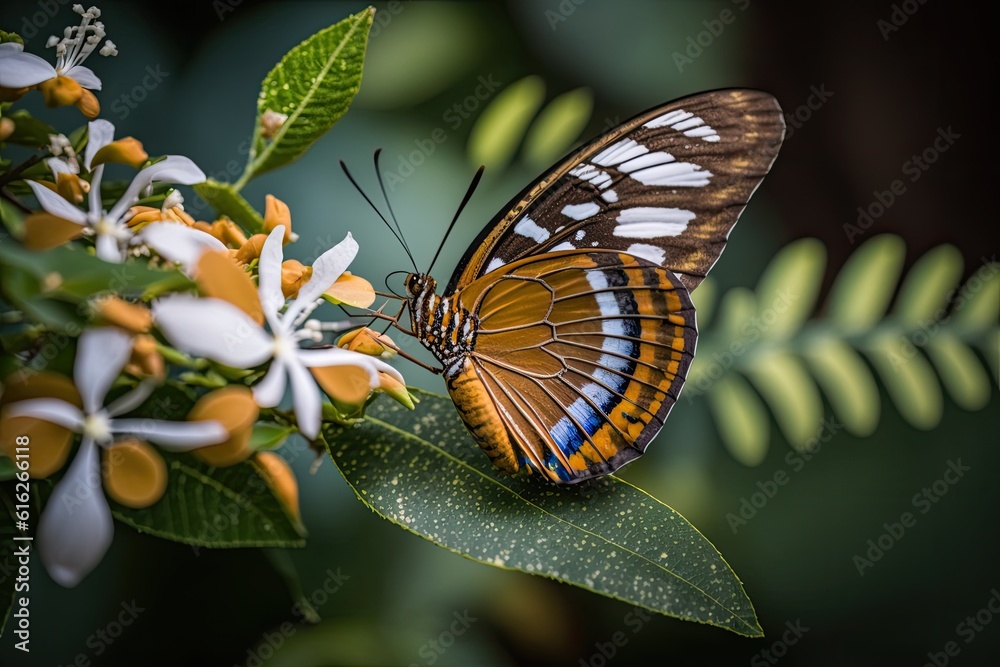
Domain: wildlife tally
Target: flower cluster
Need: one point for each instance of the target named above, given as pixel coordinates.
(194, 363)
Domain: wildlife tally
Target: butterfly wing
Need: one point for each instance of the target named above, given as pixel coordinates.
(582, 353)
(667, 186)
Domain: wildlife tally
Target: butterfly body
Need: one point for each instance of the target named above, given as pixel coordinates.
(567, 330)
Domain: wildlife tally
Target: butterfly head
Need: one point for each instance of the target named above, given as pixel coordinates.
(419, 283)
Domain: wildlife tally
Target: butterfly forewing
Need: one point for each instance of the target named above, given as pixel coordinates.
(583, 353)
(667, 186)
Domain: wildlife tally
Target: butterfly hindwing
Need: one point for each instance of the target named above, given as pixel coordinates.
(667, 186)
(583, 353)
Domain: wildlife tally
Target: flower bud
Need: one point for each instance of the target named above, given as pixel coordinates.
(135, 474)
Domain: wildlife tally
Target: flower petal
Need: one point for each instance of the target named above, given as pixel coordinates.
(173, 436)
(101, 355)
(51, 410)
(76, 529)
(218, 276)
(84, 76)
(345, 384)
(335, 356)
(132, 399)
(172, 169)
(44, 230)
(20, 70)
(305, 399)
(269, 391)
(56, 205)
(269, 272)
(326, 269)
(179, 243)
(213, 328)
(108, 249)
(100, 133)
(352, 290)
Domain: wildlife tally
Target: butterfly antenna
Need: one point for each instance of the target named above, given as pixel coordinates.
(343, 165)
(392, 214)
(465, 200)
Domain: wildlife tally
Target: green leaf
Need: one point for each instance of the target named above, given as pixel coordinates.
(978, 304)
(909, 379)
(29, 131)
(12, 217)
(847, 382)
(787, 291)
(224, 198)
(313, 86)
(704, 299)
(420, 470)
(862, 291)
(501, 126)
(216, 507)
(925, 291)
(557, 127)
(961, 372)
(7, 468)
(741, 418)
(794, 399)
(70, 273)
(269, 436)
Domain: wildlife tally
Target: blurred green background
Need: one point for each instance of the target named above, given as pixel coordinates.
(186, 81)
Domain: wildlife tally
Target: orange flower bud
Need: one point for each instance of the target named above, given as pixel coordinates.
(250, 250)
(127, 150)
(367, 341)
(50, 443)
(6, 127)
(135, 474)
(235, 409)
(88, 105)
(12, 94)
(281, 479)
(146, 360)
(396, 389)
(293, 276)
(276, 213)
(71, 187)
(131, 317)
(61, 91)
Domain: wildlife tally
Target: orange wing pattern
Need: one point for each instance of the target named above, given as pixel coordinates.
(582, 353)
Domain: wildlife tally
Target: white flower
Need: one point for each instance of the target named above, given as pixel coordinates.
(20, 70)
(220, 331)
(112, 234)
(76, 528)
(179, 243)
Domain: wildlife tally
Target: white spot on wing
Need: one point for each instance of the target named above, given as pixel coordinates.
(580, 234)
(646, 251)
(626, 149)
(688, 123)
(494, 264)
(565, 245)
(673, 174)
(527, 227)
(581, 211)
(649, 222)
(609, 196)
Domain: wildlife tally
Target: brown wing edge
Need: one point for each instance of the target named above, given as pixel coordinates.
(765, 100)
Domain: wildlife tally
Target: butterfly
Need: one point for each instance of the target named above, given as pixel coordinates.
(567, 329)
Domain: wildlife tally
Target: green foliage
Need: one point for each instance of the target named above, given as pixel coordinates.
(216, 507)
(925, 342)
(313, 86)
(226, 200)
(558, 125)
(50, 286)
(29, 131)
(502, 124)
(419, 470)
